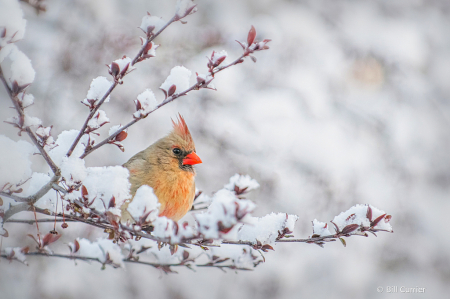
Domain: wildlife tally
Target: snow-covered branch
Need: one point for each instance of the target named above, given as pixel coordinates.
(119, 68)
(203, 82)
(23, 121)
(226, 222)
(223, 232)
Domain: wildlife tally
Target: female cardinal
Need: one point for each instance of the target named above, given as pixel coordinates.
(167, 167)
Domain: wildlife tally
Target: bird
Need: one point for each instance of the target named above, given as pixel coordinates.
(168, 167)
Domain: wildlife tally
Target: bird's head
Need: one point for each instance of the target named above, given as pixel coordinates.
(180, 147)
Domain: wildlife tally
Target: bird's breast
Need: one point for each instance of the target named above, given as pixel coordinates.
(175, 193)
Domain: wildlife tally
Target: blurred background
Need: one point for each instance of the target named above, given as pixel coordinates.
(350, 105)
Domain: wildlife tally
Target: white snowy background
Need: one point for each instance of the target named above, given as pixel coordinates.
(350, 105)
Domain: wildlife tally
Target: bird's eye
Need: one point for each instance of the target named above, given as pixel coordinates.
(176, 151)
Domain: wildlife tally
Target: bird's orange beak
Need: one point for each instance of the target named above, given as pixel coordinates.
(192, 159)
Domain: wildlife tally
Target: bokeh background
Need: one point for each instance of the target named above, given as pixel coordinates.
(350, 105)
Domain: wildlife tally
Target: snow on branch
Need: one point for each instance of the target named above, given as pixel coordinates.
(121, 67)
(223, 234)
(23, 121)
(145, 103)
(12, 28)
(176, 86)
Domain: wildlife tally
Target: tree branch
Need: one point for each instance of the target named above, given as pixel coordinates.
(91, 114)
(15, 197)
(30, 200)
(15, 209)
(196, 86)
(150, 39)
(30, 133)
(164, 267)
(32, 221)
(197, 241)
(115, 83)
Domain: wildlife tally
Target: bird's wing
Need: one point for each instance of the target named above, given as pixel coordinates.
(136, 166)
(139, 169)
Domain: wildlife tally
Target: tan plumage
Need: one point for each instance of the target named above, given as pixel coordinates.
(171, 175)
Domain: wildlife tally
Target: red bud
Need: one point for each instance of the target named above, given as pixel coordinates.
(138, 105)
(121, 136)
(84, 192)
(114, 69)
(171, 90)
(349, 228)
(369, 213)
(251, 36)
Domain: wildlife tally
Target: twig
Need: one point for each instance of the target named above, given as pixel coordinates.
(91, 114)
(104, 223)
(150, 39)
(37, 225)
(155, 265)
(196, 86)
(237, 61)
(77, 219)
(308, 240)
(30, 133)
(115, 83)
(168, 100)
(224, 266)
(24, 221)
(28, 201)
(194, 241)
(100, 224)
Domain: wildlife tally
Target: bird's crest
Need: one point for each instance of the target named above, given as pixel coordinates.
(180, 128)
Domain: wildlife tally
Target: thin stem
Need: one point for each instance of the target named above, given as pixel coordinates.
(91, 114)
(196, 86)
(155, 265)
(150, 39)
(37, 225)
(78, 219)
(237, 61)
(56, 210)
(168, 100)
(30, 133)
(115, 83)
(24, 221)
(311, 240)
(195, 240)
